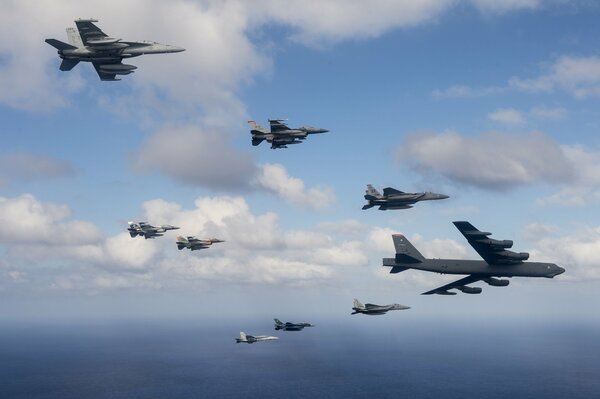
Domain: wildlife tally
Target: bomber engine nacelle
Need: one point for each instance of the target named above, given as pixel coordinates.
(497, 243)
(495, 282)
(514, 255)
(470, 290)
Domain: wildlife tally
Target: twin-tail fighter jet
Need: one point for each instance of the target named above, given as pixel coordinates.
(89, 44)
(250, 339)
(497, 262)
(147, 230)
(375, 310)
(287, 326)
(394, 199)
(280, 135)
(194, 243)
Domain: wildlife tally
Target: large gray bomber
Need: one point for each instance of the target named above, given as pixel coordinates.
(88, 43)
(497, 262)
(280, 134)
(395, 199)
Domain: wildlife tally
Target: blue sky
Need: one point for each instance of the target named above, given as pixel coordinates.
(492, 103)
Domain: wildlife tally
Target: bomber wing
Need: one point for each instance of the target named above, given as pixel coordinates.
(458, 284)
(494, 252)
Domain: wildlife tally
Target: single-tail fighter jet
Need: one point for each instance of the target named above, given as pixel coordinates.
(147, 230)
(287, 326)
(394, 199)
(194, 243)
(89, 44)
(250, 339)
(497, 262)
(280, 135)
(374, 310)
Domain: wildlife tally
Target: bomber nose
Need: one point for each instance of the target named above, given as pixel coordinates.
(559, 270)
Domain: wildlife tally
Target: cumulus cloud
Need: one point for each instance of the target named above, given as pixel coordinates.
(500, 7)
(578, 76)
(27, 166)
(490, 160)
(549, 113)
(507, 116)
(257, 249)
(578, 252)
(275, 178)
(196, 156)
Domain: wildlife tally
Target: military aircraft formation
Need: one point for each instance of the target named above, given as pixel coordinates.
(88, 43)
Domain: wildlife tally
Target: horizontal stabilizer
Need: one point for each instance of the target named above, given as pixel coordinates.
(57, 44)
(67, 65)
(398, 269)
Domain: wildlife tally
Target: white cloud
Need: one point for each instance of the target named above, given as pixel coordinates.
(578, 252)
(507, 116)
(549, 113)
(578, 76)
(27, 166)
(491, 160)
(257, 249)
(274, 177)
(503, 6)
(461, 91)
(196, 156)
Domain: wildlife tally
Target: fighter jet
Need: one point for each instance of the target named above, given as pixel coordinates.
(394, 199)
(194, 243)
(88, 43)
(281, 135)
(147, 230)
(374, 310)
(250, 339)
(287, 326)
(497, 262)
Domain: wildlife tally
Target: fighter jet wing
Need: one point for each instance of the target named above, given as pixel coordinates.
(443, 290)
(277, 125)
(390, 191)
(492, 251)
(89, 31)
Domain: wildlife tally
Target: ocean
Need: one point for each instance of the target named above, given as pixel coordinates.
(362, 357)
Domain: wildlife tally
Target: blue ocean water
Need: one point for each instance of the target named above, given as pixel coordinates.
(358, 359)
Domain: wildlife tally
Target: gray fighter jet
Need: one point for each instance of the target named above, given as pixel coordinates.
(394, 199)
(194, 243)
(147, 230)
(88, 43)
(374, 310)
(287, 326)
(497, 262)
(280, 135)
(250, 339)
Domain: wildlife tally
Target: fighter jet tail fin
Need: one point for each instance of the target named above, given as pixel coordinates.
(57, 44)
(368, 206)
(405, 251)
(372, 193)
(256, 127)
(358, 305)
(181, 242)
(67, 65)
(256, 141)
(74, 38)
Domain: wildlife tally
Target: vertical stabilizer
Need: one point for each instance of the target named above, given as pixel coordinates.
(357, 304)
(74, 38)
(372, 192)
(405, 251)
(256, 127)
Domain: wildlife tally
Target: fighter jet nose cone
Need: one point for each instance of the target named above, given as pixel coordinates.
(442, 196)
(175, 49)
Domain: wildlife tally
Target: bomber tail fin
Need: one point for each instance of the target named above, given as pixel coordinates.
(57, 44)
(405, 251)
